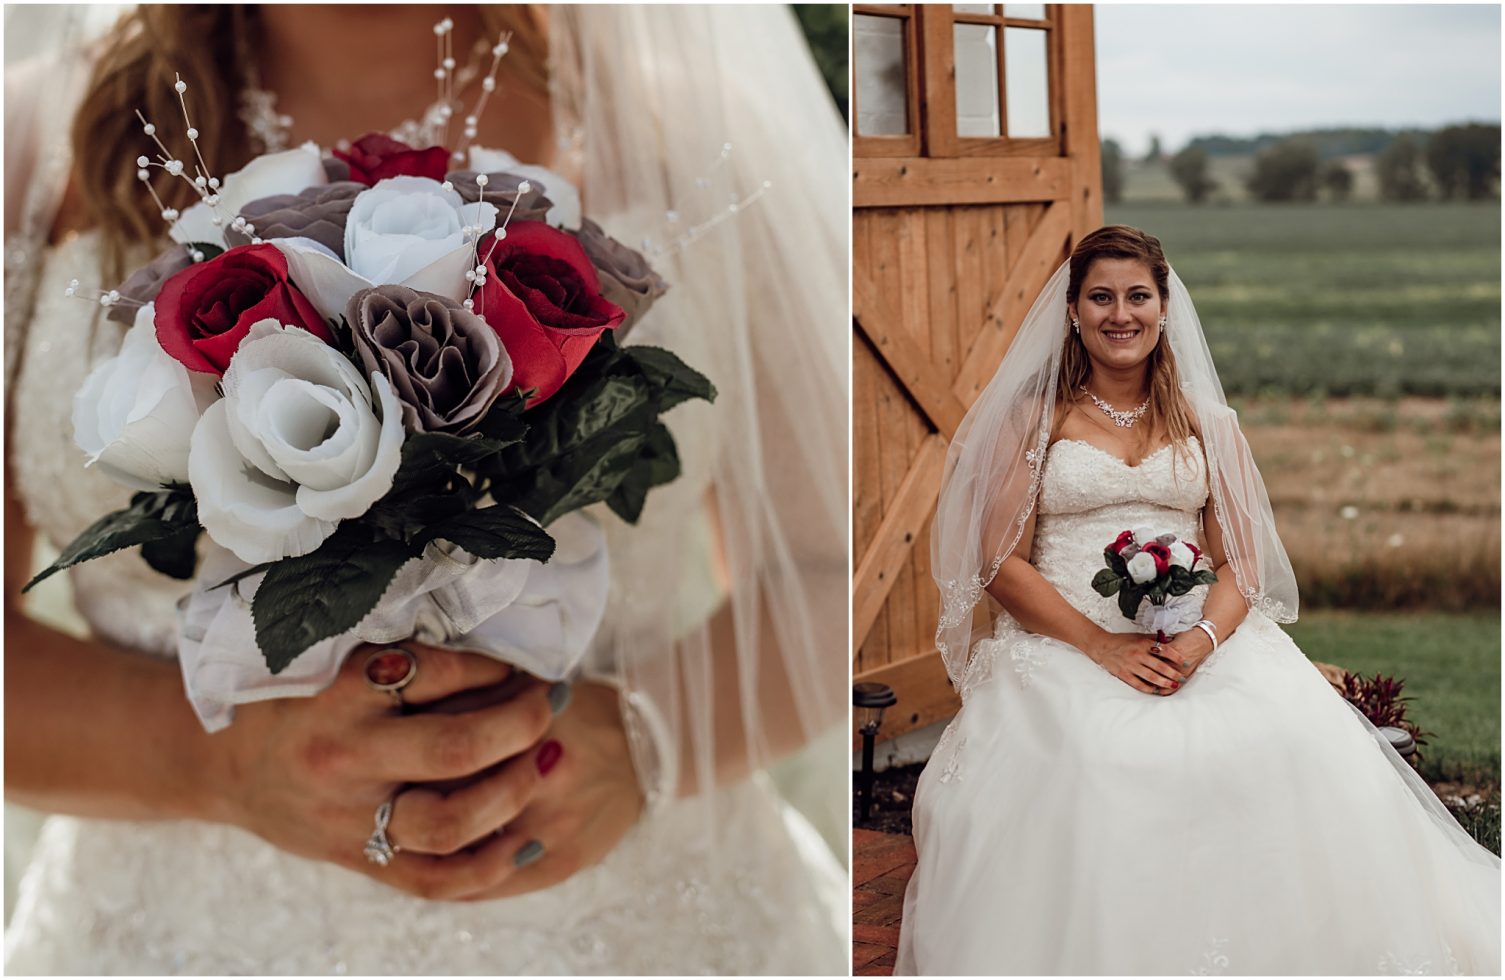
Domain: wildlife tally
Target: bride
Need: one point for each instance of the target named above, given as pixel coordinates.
(1105, 803)
(642, 834)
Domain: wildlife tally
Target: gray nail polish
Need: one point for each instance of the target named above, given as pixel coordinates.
(530, 852)
(559, 697)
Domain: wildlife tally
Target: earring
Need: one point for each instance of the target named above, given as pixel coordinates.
(1076, 324)
(1162, 323)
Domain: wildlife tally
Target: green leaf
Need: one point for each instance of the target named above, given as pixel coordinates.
(495, 532)
(247, 573)
(312, 597)
(150, 517)
(175, 556)
(657, 464)
(1204, 577)
(673, 379)
(587, 478)
(1107, 581)
(1128, 601)
(1116, 562)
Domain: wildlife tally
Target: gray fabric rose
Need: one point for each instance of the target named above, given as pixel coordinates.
(145, 283)
(626, 277)
(445, 363)
(501, 189)
(316, 212)
(336, 169)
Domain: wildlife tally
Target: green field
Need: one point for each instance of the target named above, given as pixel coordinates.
(1362, 299)
(1451, 666)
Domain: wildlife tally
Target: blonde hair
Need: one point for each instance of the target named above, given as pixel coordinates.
(135, 70)
(1168, 409)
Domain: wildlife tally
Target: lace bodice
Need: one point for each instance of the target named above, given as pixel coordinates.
(1088, 496)
(121, 597)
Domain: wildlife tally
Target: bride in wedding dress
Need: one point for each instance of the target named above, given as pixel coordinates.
(655, 841)
(1105, 803)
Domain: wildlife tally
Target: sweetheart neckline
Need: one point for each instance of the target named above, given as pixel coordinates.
(1117, 459)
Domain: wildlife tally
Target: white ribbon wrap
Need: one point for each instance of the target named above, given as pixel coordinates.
(538, 617)
(1179, 614)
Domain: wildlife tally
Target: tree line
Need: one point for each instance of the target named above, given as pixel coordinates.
(1454, 163)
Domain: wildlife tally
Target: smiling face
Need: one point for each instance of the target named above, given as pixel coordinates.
(1119, 309)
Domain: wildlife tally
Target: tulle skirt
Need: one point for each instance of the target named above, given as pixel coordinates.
(1251, 823)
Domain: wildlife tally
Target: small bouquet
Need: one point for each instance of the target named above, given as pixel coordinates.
(1153, 574)
(384, 384)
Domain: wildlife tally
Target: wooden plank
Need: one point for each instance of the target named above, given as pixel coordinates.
(914, 277)
(909, 363)
(940, 293)
(1039, 257)
(899, 443)
(967, 256)
(1078, 77)
(867, 493)
(924, 692)
(902, 523)
(890, 182)
(937, 78)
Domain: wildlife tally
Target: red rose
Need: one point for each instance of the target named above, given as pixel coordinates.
(543, 299)
(375, 157)
(1196, 553)
(1121, 542)
(1161, 554)
(205, 311)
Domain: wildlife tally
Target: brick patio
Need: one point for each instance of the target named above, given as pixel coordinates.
(881, 866)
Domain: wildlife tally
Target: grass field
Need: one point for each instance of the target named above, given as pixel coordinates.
(1451, 666)
(1364, 299)
(1384, 505)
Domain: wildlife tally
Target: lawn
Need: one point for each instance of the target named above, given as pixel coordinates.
(1361, 299)
(1451, 666)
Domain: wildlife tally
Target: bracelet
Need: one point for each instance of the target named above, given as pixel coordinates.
(1206, 626)
(655, 755)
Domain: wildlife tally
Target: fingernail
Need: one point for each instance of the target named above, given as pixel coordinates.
(1185, 664)
(548, 756)
(530, 852)
(1175, 685)
(559, 697)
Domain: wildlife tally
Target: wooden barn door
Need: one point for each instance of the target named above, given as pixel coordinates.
(976, 165)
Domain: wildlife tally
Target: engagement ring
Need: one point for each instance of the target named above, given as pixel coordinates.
(379, 850)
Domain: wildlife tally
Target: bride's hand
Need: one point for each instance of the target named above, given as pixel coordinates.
(1189, 650)
(589, 801)
(308, 774)
(1131, 657)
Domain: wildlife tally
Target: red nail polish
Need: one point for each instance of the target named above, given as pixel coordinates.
(548, 756)
(1175, 685)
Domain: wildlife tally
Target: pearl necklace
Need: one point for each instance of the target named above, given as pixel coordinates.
(1124, 420)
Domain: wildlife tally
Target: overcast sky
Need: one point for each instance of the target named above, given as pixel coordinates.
(1184, 71)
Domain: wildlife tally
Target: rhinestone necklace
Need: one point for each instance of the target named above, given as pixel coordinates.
(1124, 420)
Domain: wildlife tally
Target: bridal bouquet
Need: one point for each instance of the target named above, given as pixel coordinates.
(384, 389)
(1153, 574)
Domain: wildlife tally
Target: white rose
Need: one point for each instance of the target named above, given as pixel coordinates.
(1142, 568)
(293, 448)
(405, 224)
(405, 231)
(566, 210)
(287, 172)
(1144, 534)
(1181, 555)
(135, 414)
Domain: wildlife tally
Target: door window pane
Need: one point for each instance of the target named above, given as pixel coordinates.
(973, 8)
(1025, 11)
(1026, 82)
(878, 49)
(976, 80)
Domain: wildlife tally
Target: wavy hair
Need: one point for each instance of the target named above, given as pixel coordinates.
(1167, 406)
(135, 70)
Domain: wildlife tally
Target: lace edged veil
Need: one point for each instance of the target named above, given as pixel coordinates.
(996, 459)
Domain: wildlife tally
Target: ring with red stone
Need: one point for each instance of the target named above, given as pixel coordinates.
(391, 670)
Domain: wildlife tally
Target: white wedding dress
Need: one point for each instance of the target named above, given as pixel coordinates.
(125, 897)
(1249, 823)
